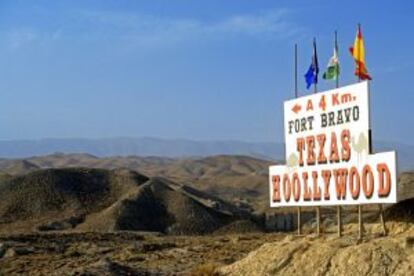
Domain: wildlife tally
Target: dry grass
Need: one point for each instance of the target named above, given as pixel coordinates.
(208, 269)
(140, 253)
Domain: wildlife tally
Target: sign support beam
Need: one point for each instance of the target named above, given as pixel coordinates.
(339, 218)
(318, 221)
(360, 226)
(384, 228)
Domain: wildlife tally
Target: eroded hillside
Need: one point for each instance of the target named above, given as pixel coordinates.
(100, 200)
(238, 179)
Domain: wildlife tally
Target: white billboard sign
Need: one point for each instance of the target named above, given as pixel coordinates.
(328, 160)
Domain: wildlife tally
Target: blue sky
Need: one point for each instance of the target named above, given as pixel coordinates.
(204, 70)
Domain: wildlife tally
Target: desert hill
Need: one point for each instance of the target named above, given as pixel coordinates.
(18, 167)
(69, 190)
(242, 180)
(85, 199)
(159, 206)
(406, 185)
(239, 179)
(60, 218)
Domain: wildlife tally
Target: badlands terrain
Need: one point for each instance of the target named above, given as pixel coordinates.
(78, 214)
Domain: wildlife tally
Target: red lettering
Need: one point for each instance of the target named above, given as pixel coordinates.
(321, 138)
(384, 185)
(316, 189)
(276, 188)
(310, 144)
(367, 184)
(326, 175)
(300, 145)
(334, 156)
(340, 182)
(309, 105)
(286, 187)
(354, 186)
(306, 190)
(346, 148)
(296, 187)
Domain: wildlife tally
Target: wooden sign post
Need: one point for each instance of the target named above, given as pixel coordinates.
(339, 220)
(318, 220)
(360, 222)
(384, 228)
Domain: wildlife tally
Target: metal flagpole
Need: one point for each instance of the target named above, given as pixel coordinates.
(336, 50)
(296, 95)
(371, 151)
(314, 60)
(296, 70)
(318, 208)
(360, 226)
(338, 208)
(359, 55)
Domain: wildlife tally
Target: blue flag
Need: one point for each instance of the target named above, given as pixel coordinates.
(311, 76)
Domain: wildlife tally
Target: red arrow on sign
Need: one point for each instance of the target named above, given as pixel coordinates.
(296, 108)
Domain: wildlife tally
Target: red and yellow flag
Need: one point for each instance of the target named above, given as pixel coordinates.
(358, 53)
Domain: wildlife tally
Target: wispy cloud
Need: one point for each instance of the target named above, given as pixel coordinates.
(273, 23)
(396, 67)
(154, 30)
(20, 37)
(137, 30)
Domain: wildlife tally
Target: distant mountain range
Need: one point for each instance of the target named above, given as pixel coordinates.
(137, 146)
(148, 146)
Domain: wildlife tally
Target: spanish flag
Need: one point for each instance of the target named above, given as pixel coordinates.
(358, 53)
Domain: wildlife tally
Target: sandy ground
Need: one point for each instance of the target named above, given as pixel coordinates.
(135, 253)
(124, 253)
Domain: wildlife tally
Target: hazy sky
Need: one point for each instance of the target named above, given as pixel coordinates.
(207, 69)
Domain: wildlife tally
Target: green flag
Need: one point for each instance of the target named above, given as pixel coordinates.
(332, 70)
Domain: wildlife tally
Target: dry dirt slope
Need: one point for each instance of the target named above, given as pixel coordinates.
(329, 255)
(83, 199)
(239, 179)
